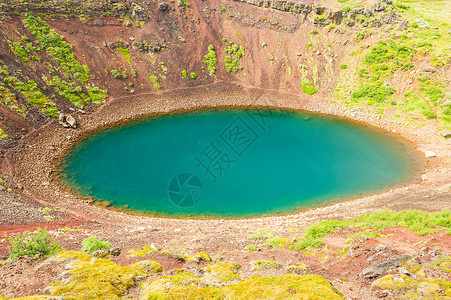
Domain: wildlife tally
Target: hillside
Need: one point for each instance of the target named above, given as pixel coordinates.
(68, 68)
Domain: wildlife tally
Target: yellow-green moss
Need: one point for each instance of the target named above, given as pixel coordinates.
(146, 250)
(28, 298)
(264, 264)
(395, 283)
(412, 288)
(198, 257)
(296, 269)
(442, 263)
(223, 272)
(148, 266)
(185, 286)
(93, 278)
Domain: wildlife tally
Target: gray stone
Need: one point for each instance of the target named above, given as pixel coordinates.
(163, 6)
(446, 133)
(378, 7)
(372, 272)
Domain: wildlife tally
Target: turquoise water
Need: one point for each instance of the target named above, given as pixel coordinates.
(234, 163)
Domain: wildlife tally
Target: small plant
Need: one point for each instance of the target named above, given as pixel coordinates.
(91, 245)
(278, 242)
(184, 73)
(309, 44)
(251, 247)
(133, 72)
(256, 236)
(343, 66)
(156, 84)
(116, 74)
(210, 59)
(193, 75)
(37, 243)
(256, 265)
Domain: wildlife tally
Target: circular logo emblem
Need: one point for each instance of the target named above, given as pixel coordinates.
(185, 190)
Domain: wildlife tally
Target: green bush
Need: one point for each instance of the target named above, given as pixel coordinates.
(193, 75)
(210, 60)
(307, 88)
(37, 243)
(184, 73)
(116, 74)
(91, 245)
(343, 66)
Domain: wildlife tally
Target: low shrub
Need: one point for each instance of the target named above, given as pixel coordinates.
(37, 243)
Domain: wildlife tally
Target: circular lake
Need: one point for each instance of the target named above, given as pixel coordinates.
(234, 162)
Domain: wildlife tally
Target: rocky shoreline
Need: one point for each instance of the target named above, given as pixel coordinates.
(43, 147)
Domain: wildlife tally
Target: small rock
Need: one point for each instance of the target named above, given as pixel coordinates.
(446, 133)
(264, 45)
(429, 154)
(131, 38)
(61, 117)
(424, 177)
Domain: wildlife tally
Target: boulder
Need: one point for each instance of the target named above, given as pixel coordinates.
(138, 13)
(429, 154)
(163, 6)
(71, 121)
(379, 268)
